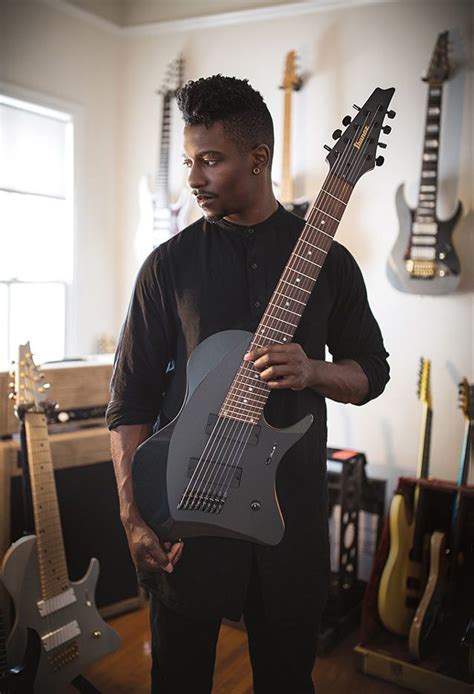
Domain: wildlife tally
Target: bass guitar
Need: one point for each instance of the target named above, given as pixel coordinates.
(423, 259)
(63, 613)
(425, 630)
(292, 82)
(211, 471)
(401, 582)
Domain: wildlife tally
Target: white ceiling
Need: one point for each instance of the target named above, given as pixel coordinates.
(127, 13)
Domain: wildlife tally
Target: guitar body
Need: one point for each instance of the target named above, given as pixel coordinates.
(423, 634)
(399, 589)
(243, 461)
(20, 679)
(448, 262)
(20, 574)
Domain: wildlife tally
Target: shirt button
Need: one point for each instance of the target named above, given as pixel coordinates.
(257, 304)
(250, 232)
(254, 266)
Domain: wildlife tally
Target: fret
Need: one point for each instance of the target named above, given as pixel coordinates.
(290, 298)
(282, 320)
(320, 230)
(274, 330)
(283, 308)
(333, 196)
(298, 272)
(301, 240)
(296, 255)
(249, 393)
(327, 215)
(432, 144)
(295, 286)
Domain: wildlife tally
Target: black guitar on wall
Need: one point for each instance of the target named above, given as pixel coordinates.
(423, 259)
(211, 471)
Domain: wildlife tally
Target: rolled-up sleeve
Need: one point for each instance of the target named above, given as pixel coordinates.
(353, 332)
(144, 350)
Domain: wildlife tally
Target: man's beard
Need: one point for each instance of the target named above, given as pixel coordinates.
(213, 218)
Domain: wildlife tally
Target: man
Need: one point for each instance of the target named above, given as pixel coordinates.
(219, 274)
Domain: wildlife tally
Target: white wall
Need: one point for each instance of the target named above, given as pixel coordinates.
(344, 55)
(68, 60)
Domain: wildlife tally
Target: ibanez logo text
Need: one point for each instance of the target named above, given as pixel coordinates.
(361, 139)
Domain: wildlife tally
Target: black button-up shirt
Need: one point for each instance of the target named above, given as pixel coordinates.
(215, 277)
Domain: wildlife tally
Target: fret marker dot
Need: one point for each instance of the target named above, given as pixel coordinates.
(245, 400)
(310, 252)
(298, 279)
(284, 339)
(323, 222)
(250, 388)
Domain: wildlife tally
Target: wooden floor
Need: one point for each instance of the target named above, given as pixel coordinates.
(126, 671)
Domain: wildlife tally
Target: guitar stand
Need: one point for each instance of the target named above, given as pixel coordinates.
(84, 686)
(353, 492)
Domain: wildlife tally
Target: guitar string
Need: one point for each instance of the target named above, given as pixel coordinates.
(313, 220)
(340, 192)
(313, 217)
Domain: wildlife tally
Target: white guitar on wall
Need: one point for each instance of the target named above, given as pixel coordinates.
(72, 633)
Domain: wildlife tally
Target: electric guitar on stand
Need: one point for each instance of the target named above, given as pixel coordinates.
(292, 82)
(212, 470)
(401, 583)
(425, 631)
(72, 633)
(160, 219)
(423, 259)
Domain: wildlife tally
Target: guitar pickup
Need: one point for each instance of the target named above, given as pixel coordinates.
(233, 433)
(57, 602)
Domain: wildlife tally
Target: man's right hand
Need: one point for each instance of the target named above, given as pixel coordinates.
(147, 553)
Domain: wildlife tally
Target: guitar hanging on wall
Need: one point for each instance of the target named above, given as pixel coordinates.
(63, 613)
(401, 583)
(159, 217)
(423, 259)
(446, 562)
(292, 82)
(212, 470)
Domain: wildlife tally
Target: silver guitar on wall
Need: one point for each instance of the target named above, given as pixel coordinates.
(423, 259)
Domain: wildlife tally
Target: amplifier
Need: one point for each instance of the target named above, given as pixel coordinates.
(89, 509)
(81, 389)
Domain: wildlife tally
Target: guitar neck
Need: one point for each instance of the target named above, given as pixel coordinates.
(49, 538)
(161, 181)
(427, 194)
(286, 179)
(424, 450)
(248, 395)
(466, 454)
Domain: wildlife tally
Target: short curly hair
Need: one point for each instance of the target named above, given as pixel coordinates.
(232, 102)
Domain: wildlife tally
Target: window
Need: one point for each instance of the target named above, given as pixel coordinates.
(36, 228)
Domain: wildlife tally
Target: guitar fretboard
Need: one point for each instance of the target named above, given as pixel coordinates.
(49, 538)
(161, 182)
(425, 212)
(248, 395)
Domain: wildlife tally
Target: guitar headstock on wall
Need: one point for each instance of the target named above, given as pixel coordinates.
(355, 151)
(29, 391)
(292, 80)
(439, 68)
(174, 77)
(466, 399)
(424, 388)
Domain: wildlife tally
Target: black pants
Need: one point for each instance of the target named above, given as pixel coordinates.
(183, 650)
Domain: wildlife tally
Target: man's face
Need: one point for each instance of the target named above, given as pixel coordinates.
(220, 174)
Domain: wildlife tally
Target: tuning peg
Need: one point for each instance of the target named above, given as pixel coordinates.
(379, 161)
(382, 145)
(386, 129)
(346, 120)
(357, 108)
(327, 147)
(11, 396)
(336, 134)
(46, 386)
(391, 114)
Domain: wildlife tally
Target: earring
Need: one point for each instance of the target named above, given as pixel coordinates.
(255, 171)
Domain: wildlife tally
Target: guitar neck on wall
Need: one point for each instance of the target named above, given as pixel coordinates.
(34, 571)
(292, 82)
(424, 260)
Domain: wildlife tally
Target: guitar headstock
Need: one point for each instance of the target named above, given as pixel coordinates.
(439, 68)
(466, 399)
(356, 148)
(424, 389)
(174, 77)
(291, 79)
(30, 390)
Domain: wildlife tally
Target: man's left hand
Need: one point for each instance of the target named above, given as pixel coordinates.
(282, 366)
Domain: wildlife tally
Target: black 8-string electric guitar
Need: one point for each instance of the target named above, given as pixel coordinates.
(212, 470)
(423, 259)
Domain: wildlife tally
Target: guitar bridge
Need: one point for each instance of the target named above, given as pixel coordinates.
(421, 269)
(210, 491)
